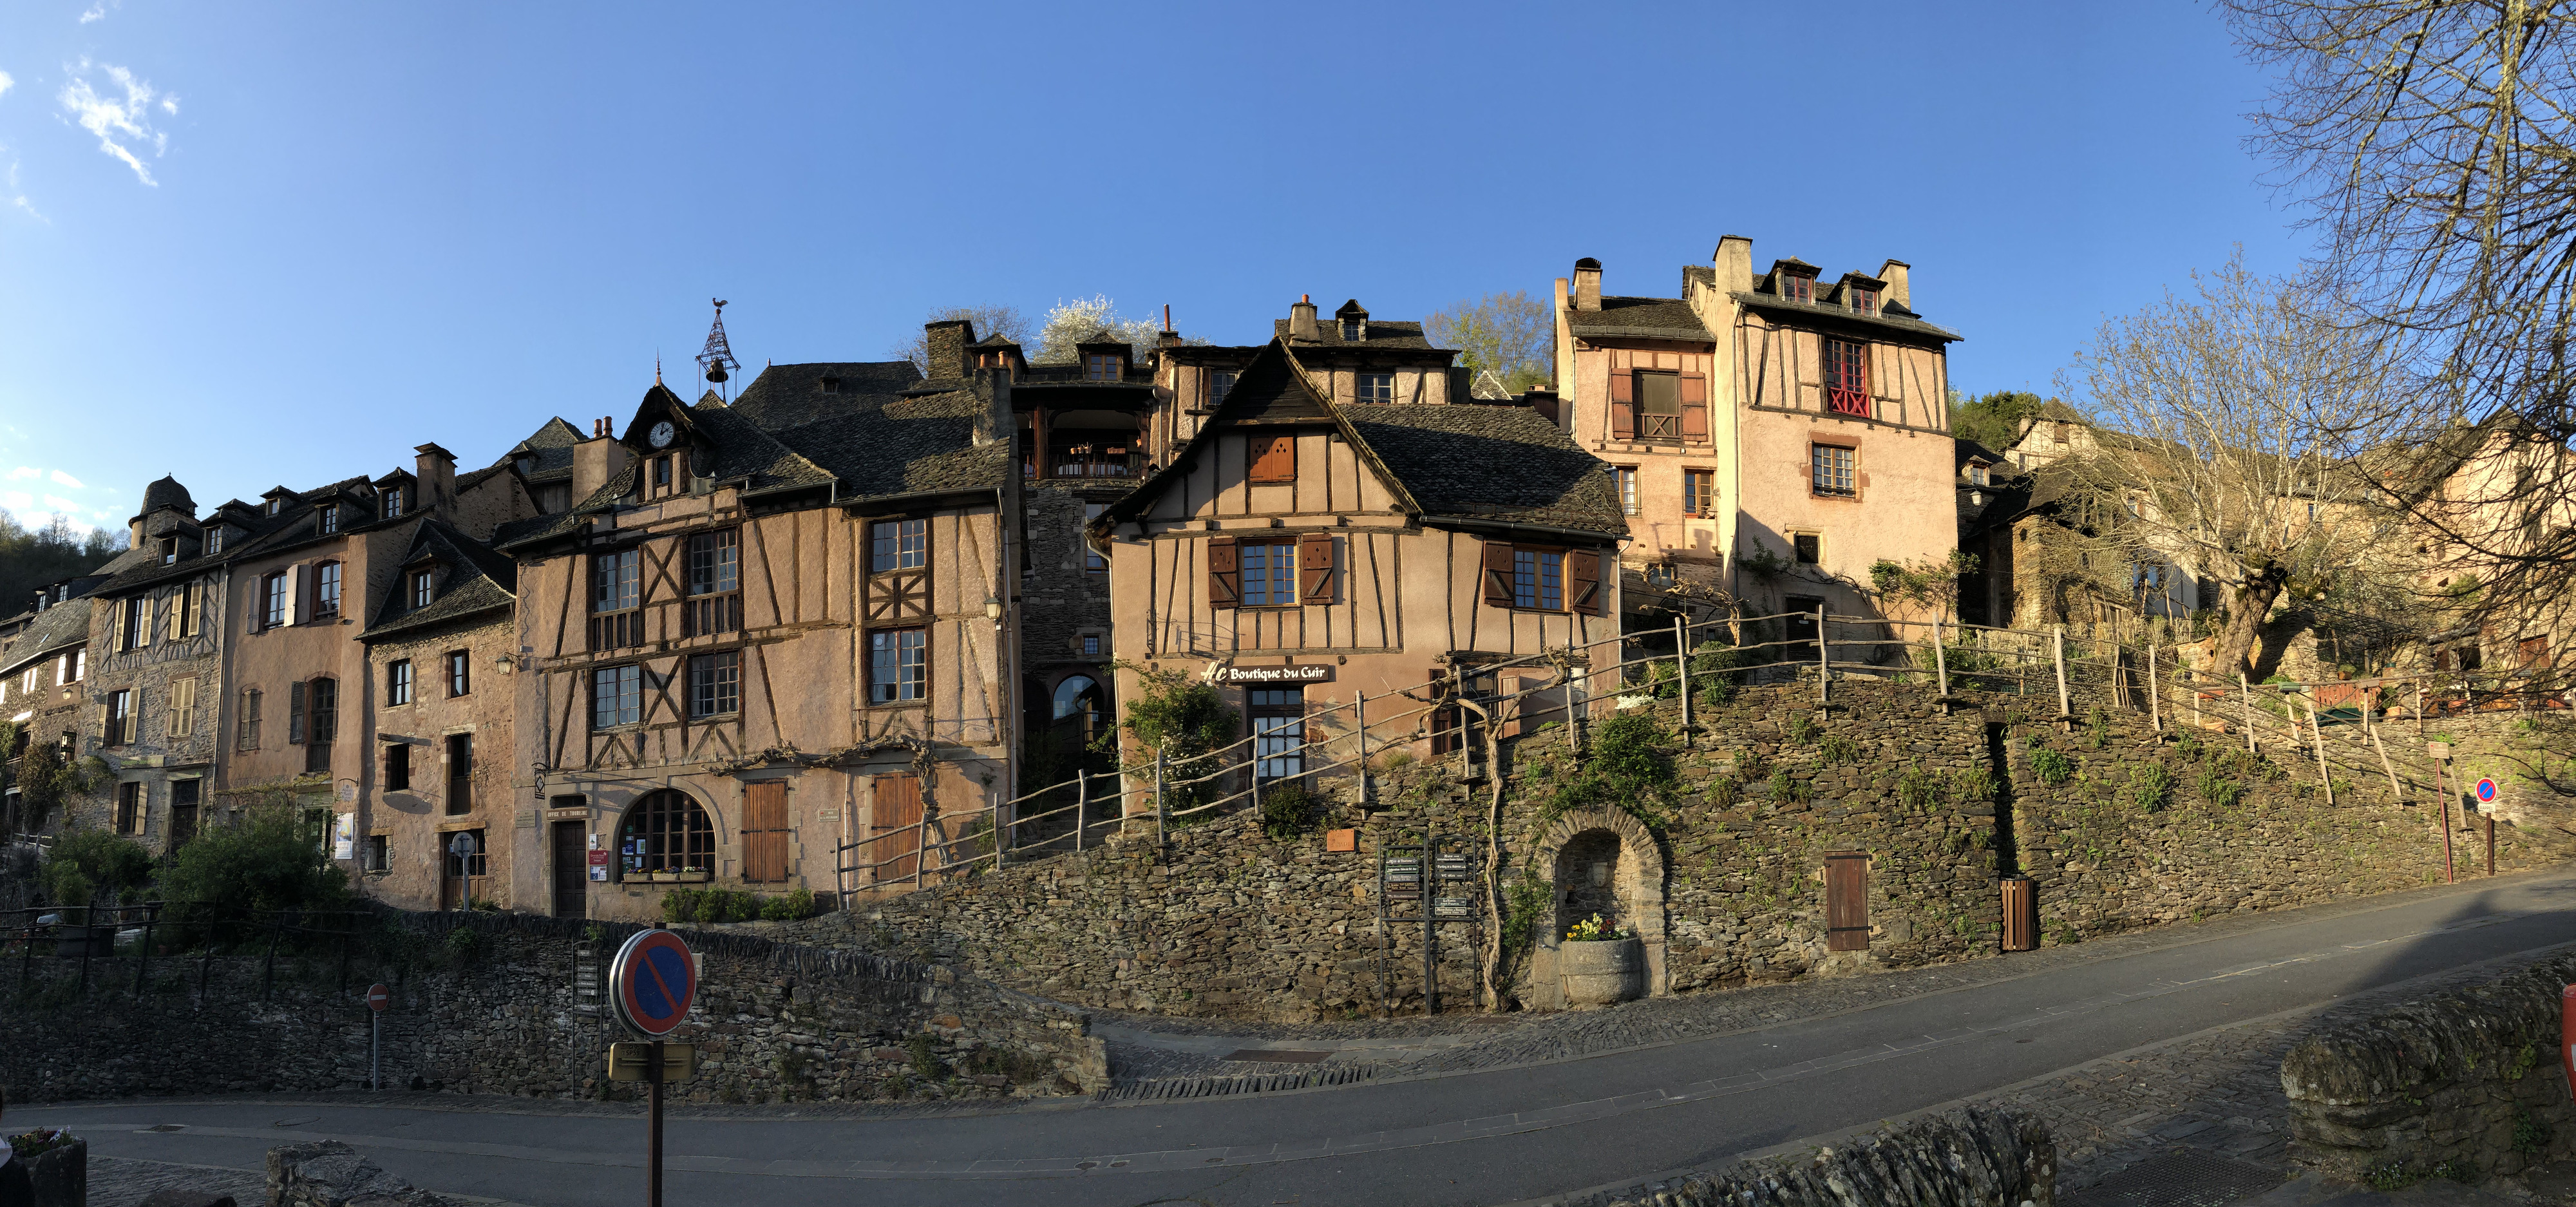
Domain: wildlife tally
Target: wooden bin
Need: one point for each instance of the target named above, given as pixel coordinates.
(2021, 914)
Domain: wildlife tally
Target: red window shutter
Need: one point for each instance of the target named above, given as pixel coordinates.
(1583, 582)
(1623, 405)
(1694, 406)
(1315, 568)
(1498, 574)
(1225, 573)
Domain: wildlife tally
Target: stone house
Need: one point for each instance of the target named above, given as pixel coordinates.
(767, 629)
(1773, 436)
(43, 685)
(1298, 550)
(157, 675)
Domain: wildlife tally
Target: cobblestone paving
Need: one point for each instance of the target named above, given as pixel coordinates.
(123, 1182)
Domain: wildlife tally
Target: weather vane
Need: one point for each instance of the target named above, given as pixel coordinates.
(716, 359)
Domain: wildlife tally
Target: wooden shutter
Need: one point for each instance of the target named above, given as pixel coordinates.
(1225, 573)
(1583, 582)
(296, 611)
(1315, 568)
(1694, 388)
(1623, 405)
(295, 713)
(1847, 901)
(1498, 574)
(1274, 457)
(897, 806)
(764, 830)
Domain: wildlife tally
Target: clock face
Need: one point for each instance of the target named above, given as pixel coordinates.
(662, 433)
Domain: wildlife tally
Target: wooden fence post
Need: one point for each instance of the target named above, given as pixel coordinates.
(2155, 688)
(1824, 658)
(2325, 773)
(1081, 804)
(2248, 690)
(1940, 661)
(1162, 809)
(1681, 668)
(2396, 793)
(2057, 651)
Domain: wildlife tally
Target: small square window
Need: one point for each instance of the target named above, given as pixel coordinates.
(1373, 387)
(1102, 366)
(1810, 548)
(1220, 384)
(1864, 301)
(899, 545)
(1091, 645)
(715, 684)
(1353, 331)
(1796, 288)
(1831, 470)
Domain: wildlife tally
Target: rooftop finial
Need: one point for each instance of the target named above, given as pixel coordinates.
(716, 359)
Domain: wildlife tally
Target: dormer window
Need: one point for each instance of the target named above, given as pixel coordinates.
(830, 385)
(1102, 366)
(1796, 288)
(393, 497)
(421, 581)
(215, 540)
(1863, 300)
(1977, 473)
(272, 505)
(1354, 330)
(169, 551)
(328, 520)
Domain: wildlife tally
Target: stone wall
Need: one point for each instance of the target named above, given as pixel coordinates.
(2472, 1077)
(501, 1012)
(1971, 1158)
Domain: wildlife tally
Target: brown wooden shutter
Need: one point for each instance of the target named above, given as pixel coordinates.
(1583, 582)
(1847, 901)
(1498, 574)
(897, 806)
(1225, 573)
(764, 830)
(1274, 457)
(1694, 388)
(295, 713)
(1315, 568)
(1623, 405)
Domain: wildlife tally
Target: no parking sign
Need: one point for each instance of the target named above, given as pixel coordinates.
(653, 980)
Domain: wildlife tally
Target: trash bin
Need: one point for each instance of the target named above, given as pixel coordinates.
(2021, 914)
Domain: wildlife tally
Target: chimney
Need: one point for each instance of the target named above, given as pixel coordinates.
(997, 422)
(1900, 289)
(1543, 401)
(595, 461)
(435, 468)
(1170, 338)
(1301, 318)
(1734, 264)
(947, 340)
(1587, 284)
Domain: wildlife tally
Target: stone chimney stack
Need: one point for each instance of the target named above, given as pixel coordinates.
(947, 341)
(435, 469)
(1587, 284)
(1900, 287)
(1301, 318)
(595, 461)
(1734, 264)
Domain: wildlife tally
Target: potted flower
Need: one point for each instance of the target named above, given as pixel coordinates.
(1600, 963)
(664, 876)
(57, 1166)
(693, 875)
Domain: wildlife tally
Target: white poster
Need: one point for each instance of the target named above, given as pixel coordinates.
(344, 836)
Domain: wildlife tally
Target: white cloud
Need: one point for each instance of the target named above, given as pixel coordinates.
(118, 122)
(59, 503)
(16, 500)
(25, 471)
(6, 83)
(17, 197)
(98, 10)
(59, 478)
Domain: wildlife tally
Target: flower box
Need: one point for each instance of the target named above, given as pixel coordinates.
(692, 877)
(55, 1177)
(664, 877)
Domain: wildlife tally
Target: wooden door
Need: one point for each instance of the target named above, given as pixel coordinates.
(894, 823)
(764, 831)
(572, 870)
(1847, 901)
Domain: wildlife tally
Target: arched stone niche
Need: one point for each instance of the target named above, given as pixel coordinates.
(1598, 861)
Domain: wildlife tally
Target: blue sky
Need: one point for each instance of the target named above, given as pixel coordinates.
(255, 244)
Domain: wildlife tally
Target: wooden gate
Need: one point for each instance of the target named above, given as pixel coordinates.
(764, 831)
(1847, 901)
(897, 807)
(572, 869)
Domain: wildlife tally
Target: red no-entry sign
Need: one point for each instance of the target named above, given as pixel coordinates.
(379, 997)
(653, 980)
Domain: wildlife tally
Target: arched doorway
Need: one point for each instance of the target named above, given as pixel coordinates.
(1081, 708)
(665, 832)
(1598, 861)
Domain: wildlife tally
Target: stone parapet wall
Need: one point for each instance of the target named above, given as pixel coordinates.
(2472, 1078)
(501, 1013)
(1971, 1158)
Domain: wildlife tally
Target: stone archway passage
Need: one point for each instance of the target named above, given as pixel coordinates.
(1570, 848)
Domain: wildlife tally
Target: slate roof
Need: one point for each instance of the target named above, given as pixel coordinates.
(63, 625)
(1382, 333)
(912, 445)
(550, 447)
(1643, 318)
(166, 492)
(1489, 388)
(1889, 321)
(1491, 463)
(477, 580)
(786, 396)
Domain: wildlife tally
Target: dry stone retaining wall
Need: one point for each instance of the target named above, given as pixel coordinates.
(1970, 1158)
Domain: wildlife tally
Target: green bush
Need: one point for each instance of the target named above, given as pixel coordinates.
(1787, 788)
(463, 942)
(85, 863)
(790, 906)
(1713, 672)
(2219, 790)
(2052, 767)
(2530, 1135)
(925, 1056)
(2391, 1175)
(271, 861)
(1288, 810)
(1802, 728)
(1836, 748)
(2099, 725)
(2150, 786)
(681, 905)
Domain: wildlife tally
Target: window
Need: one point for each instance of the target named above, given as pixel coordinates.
(460, 773)
(899, 545)
(1846, 377)
(272, 505)
(1977, 474)
(183, 811)
(424, 587)
(75, 666)
(393, 501)
(661, 475)
(120, 717)
(326, 519)
(1659, 406)
(463, 859)
(1699, 492)
(1863, 300)
(715, 584)
(398, 682)
(1353, 330)
(1091, 559)
(1832, 470)
(1278, 732)
(214, 540)
(616, 590)
(169, 551)
(129, 807)
(1101, 366)
(1220, 384)
(1808, 548)
(1080, 698)
(1091, 645)
(380, 854)
(1538, 579)
(324, 699)
(326, 590)
(554, 498)
(1797, 288)
(136, 632)
(665, 832)
(1626, 478)
(1271, 458)
(1269, 574)
(184, 623)
(898, 666)
(272, 612)
(1373, 387)
(247, 734)
(460, 674)
(397, 766)
(616, 696)
(830, 385)
(183, 709)
(715, 684)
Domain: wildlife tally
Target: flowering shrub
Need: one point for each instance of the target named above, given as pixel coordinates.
(1594, 930)
(41, 1140)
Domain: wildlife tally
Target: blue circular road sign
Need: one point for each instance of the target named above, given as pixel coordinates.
(653, 980)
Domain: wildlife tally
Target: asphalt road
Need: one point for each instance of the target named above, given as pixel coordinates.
(1478, 1138)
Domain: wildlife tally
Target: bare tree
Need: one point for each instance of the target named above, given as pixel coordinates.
(1004, 321)
(2218, 441)
(1509, 333)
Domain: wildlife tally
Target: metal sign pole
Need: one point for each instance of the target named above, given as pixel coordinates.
(653, 1111)
(375, 1051)
(1430, 971)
